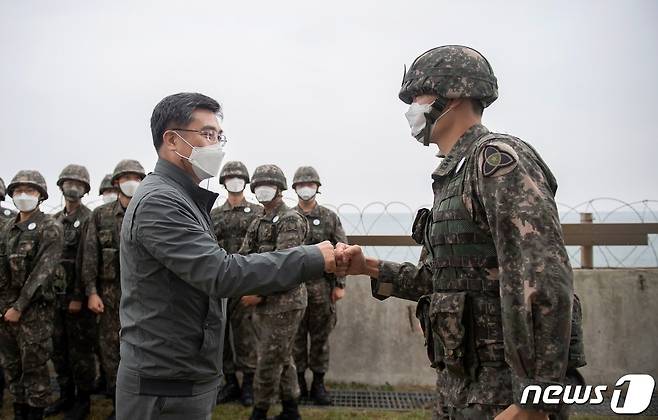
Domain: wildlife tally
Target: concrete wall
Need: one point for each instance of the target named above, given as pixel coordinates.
(381, 342)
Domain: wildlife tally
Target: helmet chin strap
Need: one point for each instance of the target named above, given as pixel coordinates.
(436, 113)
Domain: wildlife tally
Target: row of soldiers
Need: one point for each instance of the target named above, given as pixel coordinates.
(60, 289)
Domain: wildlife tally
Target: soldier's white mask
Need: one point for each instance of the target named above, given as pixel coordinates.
(128, 188)
(417, 118)
(306, 193)
(110, 197)
(25, 202)
(265, 193)
(205, 160)
(234, 185)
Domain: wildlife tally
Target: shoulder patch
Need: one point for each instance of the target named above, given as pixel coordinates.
(497, 159)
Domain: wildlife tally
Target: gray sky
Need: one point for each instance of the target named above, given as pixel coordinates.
(310, 83)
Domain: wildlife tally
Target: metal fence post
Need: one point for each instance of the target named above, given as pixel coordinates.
(586, 251)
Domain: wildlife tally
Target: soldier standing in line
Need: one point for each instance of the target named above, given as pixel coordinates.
(5, 213)
(74, 323)
(277, 316)
(320, 316)
(107, 191)
(494, 285)
(30, 249)
(100, 266)
(230, 223)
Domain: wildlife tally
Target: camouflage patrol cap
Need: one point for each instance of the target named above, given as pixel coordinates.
(234, 169)
(268, 174)
(74, 172)
(128, 166)
(450, 71)
(306, 174)
(106, 184)
(3, 190)
(31, 178)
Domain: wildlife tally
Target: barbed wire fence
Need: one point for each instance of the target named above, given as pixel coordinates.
(396, 218)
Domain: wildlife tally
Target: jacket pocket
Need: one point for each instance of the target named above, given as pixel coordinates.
(446, 317)
(17, 267)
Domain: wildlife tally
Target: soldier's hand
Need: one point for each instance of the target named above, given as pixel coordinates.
(251, 300)
(514, 412)
(337, 294)
(12, 315)
(327, 250)
(350, 260)
(95, 303)
(75, 306)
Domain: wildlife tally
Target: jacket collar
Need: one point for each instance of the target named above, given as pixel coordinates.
(201, 196)
(228, 207)
(458, 151)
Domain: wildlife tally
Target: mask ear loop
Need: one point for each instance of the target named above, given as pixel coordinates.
(437, 111)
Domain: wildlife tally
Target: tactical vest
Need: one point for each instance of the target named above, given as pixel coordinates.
(64, 278)
(266, 234)
(20, 253)
(462, 319)
(108, 240)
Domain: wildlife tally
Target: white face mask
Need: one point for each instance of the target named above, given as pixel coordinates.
(306, 193)
(417, 121)
(25, 202)
(265, 193)
(205, 160)
(234, 185)
(128, 188)
(110, 197)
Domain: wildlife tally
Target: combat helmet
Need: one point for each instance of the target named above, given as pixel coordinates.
(29, 177)
(268, 174)
(234, 169)
(306, 174)
(128, 166)
(106, 184)
(450, 72)
(74, 172)
(3, 190)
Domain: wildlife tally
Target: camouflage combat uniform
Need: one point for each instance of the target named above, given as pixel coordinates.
(29, 252)
(230, 225)
(494, 285)
(277, 318)
(5, 213)
(74, 334)
(320, 317)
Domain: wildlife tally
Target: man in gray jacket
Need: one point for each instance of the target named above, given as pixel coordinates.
(173, 271)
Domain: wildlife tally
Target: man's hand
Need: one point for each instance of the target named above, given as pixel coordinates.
(327, 250)
(337, 294)
(514, 412)
(251, 300)
(12, 315)
(95, 303)
(75, 306)
(350, 260)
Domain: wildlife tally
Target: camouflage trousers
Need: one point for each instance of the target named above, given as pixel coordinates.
(318, 322)
(73, 344)
(25, 349)
(239, 340)
(478, 412)
(276, 375)
(108, 341)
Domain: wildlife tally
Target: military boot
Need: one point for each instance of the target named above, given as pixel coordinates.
(303, 388)
(64, 403)
(35, 413)
(290, 411)
(80, 410)
(247, 395)
(319, 393)
(21, 411)
(258, 414)
(230, 391)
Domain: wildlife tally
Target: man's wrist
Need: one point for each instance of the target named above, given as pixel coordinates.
(372, 267)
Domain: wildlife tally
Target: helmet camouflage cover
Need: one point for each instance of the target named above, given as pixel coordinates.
(128, 166)
(74, 172)
(268, 174)
(106, 184)
(234, 169)
(3, 190)
(306, 174)
(29, 177)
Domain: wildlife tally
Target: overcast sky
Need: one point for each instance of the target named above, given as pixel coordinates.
(316, 83)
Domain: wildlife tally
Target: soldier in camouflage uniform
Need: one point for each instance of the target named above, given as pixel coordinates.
(494, 285)
(320, 317)
(230, 223)
(107, 191)
(5, 213)
(277, 316)
(100, 265)
(74, 323)
(30, 249)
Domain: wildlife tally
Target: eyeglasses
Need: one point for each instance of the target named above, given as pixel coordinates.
(210, 135)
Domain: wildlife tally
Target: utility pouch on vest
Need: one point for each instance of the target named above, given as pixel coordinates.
(446, 321)
(418, 228)
(576, 347)
(17, 267)
(432, 342)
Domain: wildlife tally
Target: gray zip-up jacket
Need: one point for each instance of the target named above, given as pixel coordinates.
(172, 274)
